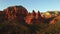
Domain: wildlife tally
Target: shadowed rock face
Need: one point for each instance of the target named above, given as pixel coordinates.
(15, 12)
(34, 18)
(2, 16)
(30, 17)
(21, 14)
(56, 19)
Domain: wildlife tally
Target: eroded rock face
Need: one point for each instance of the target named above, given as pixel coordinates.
(55, 20)
(30, 17)
(19, 13)
(34, 18)
(15, 12)
(39, 18)
(38, 15)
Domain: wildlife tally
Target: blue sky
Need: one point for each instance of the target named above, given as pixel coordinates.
(41, 5)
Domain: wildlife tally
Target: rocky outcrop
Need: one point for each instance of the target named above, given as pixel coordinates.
(34, 18)
(56, 19)
(15, 12)
(38, 15)
(39, 18)
(20, 14)
(30, 17)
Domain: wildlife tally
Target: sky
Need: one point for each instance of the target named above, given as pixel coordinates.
(41, 5)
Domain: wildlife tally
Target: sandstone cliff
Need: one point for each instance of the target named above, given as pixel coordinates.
(21, 14)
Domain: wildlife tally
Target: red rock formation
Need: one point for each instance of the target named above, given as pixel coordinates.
(38, 17)
(56, 19)
(19, 13)
(13, 12)
(52, 21)
(33, 14)
(9, 13)
(30, 18)
(34, 18)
